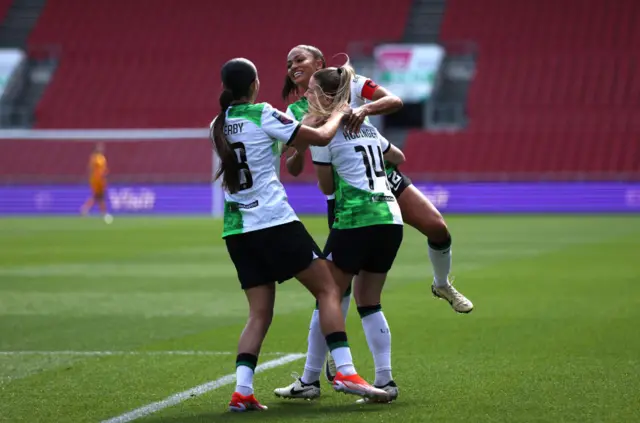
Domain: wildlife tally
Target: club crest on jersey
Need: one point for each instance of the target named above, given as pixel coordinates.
(282, 118)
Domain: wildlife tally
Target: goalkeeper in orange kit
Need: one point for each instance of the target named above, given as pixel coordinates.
(98, 170)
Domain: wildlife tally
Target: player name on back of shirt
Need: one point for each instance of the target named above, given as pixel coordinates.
(233, 128)
(362, 133)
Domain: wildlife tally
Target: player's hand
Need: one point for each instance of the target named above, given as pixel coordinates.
(345, 110)
(356, 118)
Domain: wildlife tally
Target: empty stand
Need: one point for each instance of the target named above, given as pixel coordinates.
(155, 63)
(556, 92)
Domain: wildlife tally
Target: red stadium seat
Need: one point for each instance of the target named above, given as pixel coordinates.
(155, 64)
(150, 63)
(556, 89)
(4, 8)
(555, 84)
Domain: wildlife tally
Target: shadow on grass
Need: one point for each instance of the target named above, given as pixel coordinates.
(283, 411)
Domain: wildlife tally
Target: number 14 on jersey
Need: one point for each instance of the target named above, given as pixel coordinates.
(372, 168)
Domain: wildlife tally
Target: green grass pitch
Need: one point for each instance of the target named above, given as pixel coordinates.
(554, 336)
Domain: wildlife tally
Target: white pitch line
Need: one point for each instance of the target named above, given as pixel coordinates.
(197, 391)
(117, 353)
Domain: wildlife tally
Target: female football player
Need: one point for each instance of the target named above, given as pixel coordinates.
(367, 230)
(368, 98)
(265, 240)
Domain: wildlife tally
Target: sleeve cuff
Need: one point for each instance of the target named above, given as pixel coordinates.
(321, 163)
(387, 149)
(293, 135)
(331, 197)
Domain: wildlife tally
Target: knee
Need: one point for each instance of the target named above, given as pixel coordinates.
(442, 227)
(329, 293)
(437, 221)
(439, 232)
(430, 223)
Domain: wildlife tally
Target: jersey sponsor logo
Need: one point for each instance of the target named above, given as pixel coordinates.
(282, 118)
(240, 206)
(382, 198)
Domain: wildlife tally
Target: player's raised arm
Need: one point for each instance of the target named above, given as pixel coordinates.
(382, 102)
(322, 135)
(295, 134)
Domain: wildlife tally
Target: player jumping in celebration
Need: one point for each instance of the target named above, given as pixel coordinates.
(368, 98)
(367, 230)
(265, 240)
(98, 183)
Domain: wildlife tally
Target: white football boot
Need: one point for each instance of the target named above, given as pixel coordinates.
(330, 368)
(299, 390)
(390, 388)
(458, 302)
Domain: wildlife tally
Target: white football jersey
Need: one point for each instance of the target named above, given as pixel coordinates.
(277, 159)
(255, 132)
(363, 196)
(362, 90)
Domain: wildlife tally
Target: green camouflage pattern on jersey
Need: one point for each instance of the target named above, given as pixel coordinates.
(299, 108)
(356, 208)
(232, 221)
(250, 112)
(389, 167)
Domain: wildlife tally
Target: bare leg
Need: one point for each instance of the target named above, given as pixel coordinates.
(261, 300)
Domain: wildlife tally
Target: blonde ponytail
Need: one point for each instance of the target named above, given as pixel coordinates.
(333, 84)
